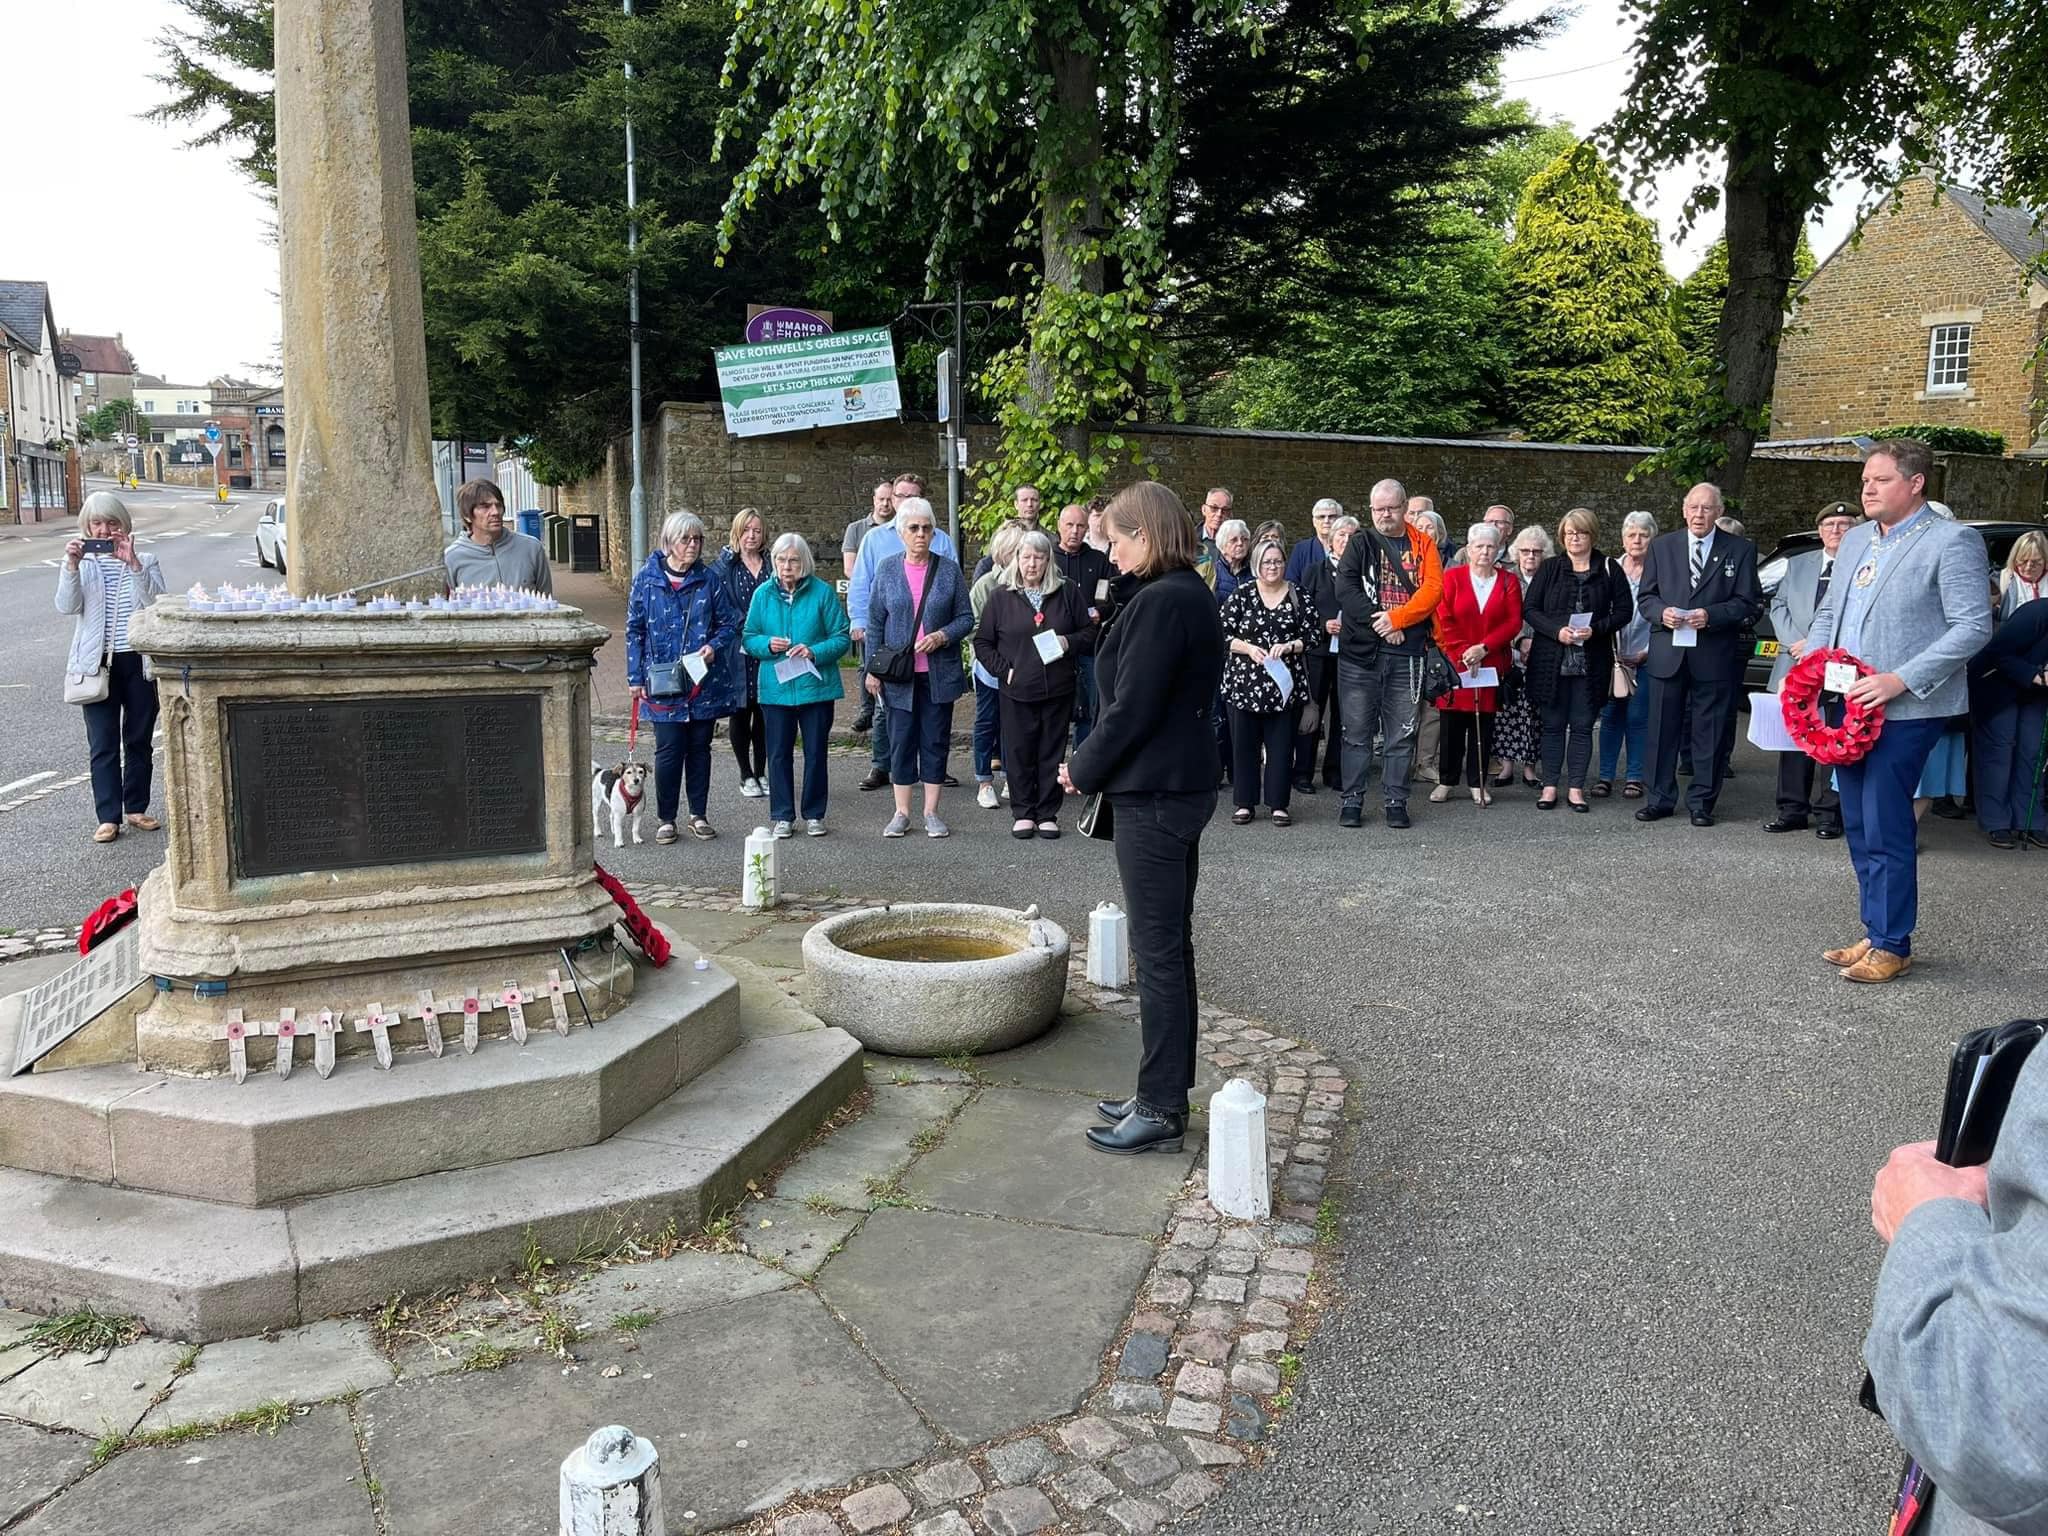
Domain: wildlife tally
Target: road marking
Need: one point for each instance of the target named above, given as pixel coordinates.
(34, 778)
(48, 789)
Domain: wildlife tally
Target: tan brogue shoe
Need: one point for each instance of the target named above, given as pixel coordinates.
(1847, 955)
(1878, 965)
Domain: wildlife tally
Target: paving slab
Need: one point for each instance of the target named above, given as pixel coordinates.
(779, 946)
(710, 931)
(1023, 1154)
(305, 1478)
(685, 1282)
(1091, 1053)
(766, 1008)
(92, 1393)
(989, 1326)
(15, 1355)
(299, 1365)
(746, 1403)
(35, 1463)
(876, 1146)
(800, 1239)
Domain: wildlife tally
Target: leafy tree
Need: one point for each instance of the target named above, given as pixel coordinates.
(1586, 314)
(1696, 306)
(518, 159)
(1422, 354)
(108, 421)
(1793, 96)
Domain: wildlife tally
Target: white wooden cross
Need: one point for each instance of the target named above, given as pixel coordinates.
(430, 1020)
(513, 998)
(236, 1033)
(285, 1030)
(378, 1023)
(471, 1008)
(323, 1043)
(555, 1002)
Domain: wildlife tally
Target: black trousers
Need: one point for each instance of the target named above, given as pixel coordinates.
(1322, 687)
(1034, 741)
(1797, 798)
(1158, 859)
(1568, 732)
(1465, 747)
(749, 729)
(117, 733)
(1713, 701)
(1257, 736)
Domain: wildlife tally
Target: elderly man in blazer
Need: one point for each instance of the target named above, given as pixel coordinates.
(1912, 600)
(1806, 581)
(1700, 593)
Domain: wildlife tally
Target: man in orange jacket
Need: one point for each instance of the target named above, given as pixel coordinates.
(1388, 584)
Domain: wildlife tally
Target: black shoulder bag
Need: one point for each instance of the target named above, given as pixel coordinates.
(898, 663)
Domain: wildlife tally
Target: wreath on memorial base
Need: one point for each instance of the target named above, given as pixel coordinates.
(1800, 695)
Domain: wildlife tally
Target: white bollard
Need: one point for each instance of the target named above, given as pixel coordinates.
(611, 1486)
(1109, 946)
(1238, 1183)
(760, 879)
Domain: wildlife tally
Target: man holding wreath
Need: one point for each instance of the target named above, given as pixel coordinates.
(1910, 599)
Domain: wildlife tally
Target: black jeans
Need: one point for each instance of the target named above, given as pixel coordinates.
(1570, 709)
(1322, 687)
(1251, 735)
(1158, 859)
(1034, 740)
(785, 722)
(682, 748)
(1465, 747)
(749, 729)
(117, 732)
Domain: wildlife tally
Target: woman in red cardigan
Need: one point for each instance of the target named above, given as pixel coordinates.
(1477, 619)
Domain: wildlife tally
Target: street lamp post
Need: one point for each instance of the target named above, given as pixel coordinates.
(637, 502)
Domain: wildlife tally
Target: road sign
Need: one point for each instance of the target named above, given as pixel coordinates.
(213, 431)
(130, 440)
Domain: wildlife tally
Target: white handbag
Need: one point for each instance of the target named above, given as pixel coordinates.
(86, 687)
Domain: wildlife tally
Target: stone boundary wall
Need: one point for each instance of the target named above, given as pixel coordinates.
(815, 482)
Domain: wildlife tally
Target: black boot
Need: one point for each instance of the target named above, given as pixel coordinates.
(1114, 1110)
(1144, 1129)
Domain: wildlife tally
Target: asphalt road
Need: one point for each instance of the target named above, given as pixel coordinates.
(51, 871)
(1606, 1258)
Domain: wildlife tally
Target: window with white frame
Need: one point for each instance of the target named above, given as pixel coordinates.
(1948, 357)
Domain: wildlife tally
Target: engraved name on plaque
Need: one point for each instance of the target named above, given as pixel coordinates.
(352, 783)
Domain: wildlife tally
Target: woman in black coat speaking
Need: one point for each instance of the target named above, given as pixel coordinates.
(1153, 754)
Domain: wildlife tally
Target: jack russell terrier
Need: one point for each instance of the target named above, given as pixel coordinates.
(619, 792)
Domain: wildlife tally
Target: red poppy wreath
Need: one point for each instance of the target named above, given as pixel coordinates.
(1800, 694)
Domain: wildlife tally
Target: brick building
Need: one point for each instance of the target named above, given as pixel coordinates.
(40, 473)
(106, 370)
(1937, 314)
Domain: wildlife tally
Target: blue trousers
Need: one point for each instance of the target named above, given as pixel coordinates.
(919, 737)
(1086, 700)
(988, 730)
(117, 733)
(785, 722)
(2008, 766)
(682, 749)
(1625, 722)
(1877, 817)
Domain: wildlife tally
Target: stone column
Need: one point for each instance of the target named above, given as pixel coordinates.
(359, 476)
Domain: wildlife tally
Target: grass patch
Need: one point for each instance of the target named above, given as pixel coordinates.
(87, 1330)
(488, 1357)
(1326, 1222)
(963, 1063)
(634, 1322)
(533, 1264)
(889, 1192)
(264, 1419)
(819, 1204)
(927, 1138)
(558, 1333)
(1290, 1367)
(185, 1362)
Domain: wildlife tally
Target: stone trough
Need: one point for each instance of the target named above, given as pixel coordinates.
(937, 978)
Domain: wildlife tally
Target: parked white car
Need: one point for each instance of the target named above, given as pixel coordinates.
(270, 530)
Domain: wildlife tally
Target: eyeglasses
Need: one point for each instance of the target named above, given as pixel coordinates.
(688, 538)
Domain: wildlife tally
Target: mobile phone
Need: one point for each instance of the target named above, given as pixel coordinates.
(98, 546)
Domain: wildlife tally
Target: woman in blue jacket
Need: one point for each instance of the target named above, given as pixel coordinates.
(797, 618)
(921, 710)
(679, 609)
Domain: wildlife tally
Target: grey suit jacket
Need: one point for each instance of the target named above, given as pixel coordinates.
(1792, 608)
(1930, 612)
(1958, 1343)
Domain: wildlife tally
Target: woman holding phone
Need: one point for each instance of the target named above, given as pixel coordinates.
(104, 581)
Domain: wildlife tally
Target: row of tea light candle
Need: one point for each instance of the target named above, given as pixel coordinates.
(227, 599)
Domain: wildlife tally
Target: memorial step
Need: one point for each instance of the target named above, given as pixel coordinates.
(268, 1140)
(196, 1270)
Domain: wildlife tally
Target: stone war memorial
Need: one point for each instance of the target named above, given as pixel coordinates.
(371, 1028)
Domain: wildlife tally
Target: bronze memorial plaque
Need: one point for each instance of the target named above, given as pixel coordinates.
(348, 783)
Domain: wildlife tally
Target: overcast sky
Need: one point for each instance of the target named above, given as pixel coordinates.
(168, 245)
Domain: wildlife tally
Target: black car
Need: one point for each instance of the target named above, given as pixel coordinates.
(1763, 652)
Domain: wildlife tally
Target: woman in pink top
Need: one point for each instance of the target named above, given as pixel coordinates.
(919, 600)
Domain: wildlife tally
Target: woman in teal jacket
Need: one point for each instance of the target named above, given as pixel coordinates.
(797, 618)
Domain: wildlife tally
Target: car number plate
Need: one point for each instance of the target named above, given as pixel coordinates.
(1767, 647)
